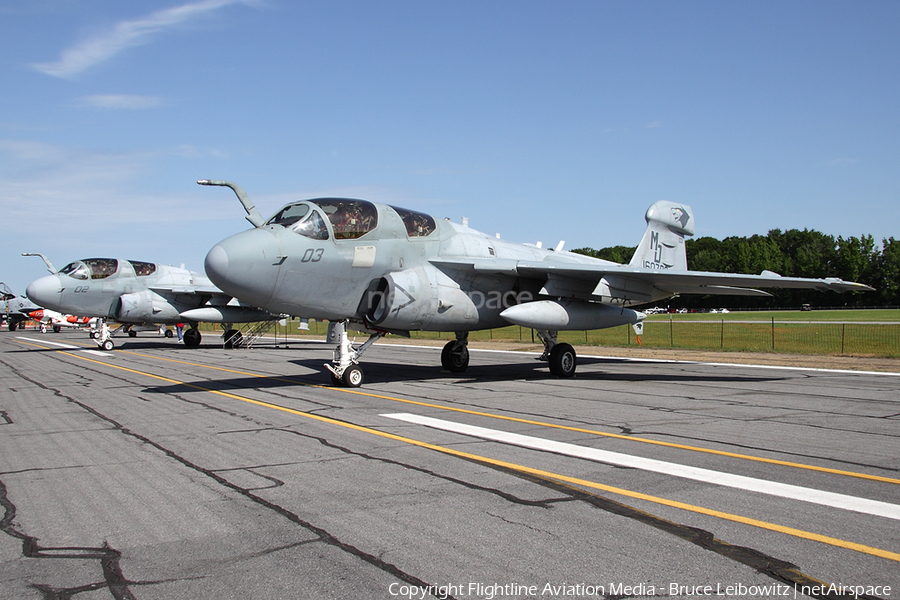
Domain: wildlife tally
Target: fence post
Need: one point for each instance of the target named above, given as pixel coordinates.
(843, 329)
(671, 332)
(773, 333)
(722, 336)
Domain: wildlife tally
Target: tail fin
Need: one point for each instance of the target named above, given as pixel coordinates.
(663, 244)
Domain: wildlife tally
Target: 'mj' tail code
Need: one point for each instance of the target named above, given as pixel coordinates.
(662, 246)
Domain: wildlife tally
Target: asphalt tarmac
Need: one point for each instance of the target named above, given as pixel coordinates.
(159, 471)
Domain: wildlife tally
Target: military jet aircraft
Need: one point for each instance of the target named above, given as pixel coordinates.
(56, 320)
(14, 309)
(139, 294)
(385, 269)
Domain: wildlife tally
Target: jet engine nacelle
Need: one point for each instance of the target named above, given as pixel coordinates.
(560, 316)
(403, 300)
(143, 307)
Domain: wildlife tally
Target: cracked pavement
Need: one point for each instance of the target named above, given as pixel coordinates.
(116, 484)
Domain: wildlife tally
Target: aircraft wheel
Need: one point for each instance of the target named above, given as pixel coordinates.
(353, 376)
(563, 360)
(455, 357)
(191, 338)
(335, 380)
(94, 335)
(233, 338)
(107, 345)
(132, 334)
(57, 329)
(169, 333)
(12, 325)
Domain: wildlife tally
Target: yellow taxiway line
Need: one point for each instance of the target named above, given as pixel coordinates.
(799, 533)
(771, 461)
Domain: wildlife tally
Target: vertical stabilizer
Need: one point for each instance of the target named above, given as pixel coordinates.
(663, 244)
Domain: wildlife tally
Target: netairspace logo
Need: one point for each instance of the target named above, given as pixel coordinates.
(497, 591)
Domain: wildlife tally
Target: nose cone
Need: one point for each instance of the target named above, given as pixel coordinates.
(45, 292)
(245, 266)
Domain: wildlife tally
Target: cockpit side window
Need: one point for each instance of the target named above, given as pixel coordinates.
(313, 226)
(143, 269)
(417, 224)
(350, 219)
(101, 268)
(76, 270)
(289, 215)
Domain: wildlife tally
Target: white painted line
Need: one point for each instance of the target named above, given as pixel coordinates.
(663, 361)
(783, 490)
(99, 353)
(67, 346)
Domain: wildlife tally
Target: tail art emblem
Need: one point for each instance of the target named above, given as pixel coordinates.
(681, 215)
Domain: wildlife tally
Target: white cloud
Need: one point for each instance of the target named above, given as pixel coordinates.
(62, 184)
(127, 34)
(125, 101)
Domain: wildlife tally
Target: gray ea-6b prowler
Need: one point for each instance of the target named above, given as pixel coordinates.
(384, 269)
(14, 310)
(141, 295)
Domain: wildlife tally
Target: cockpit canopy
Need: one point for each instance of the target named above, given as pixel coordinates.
(417, 224)
(91, 268)
(350, 219)
(143, 269)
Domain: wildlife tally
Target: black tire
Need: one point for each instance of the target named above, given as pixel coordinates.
(169, 333)
(107, 345)
(57, 329)
(132, 334)
(335, 380)
(191, 338)
(12, 325)
(563, 360)
(455, 357)
(353, 376)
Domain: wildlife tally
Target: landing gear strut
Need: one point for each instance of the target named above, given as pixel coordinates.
(102, 336)
(455, 355)
(561, 357)
(345, 369)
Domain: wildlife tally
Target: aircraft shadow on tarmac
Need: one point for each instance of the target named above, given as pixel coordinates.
(520, 370)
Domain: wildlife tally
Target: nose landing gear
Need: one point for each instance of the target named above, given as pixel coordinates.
(345, 369)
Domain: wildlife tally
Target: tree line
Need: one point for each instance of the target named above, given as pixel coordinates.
(792, 253)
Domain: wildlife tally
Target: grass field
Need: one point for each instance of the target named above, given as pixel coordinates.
(832, 332)
(855, 316)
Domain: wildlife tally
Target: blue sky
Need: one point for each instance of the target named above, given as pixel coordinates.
(537, 120)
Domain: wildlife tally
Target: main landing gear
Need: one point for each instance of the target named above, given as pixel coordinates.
(455, 355)
(561, 357)
(345, 369)
(191, 336)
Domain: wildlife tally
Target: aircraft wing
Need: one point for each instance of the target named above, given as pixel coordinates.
(581, 280)
(189, 289)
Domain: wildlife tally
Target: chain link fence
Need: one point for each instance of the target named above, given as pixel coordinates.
(871, 339)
